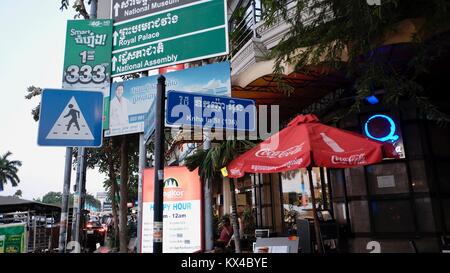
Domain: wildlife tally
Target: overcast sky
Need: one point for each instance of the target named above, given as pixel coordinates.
(32, 53)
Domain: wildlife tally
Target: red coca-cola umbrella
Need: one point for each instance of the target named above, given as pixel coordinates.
(306, 143)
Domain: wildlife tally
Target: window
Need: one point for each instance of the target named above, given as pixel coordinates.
(418, 175)
(424, 214)
(446, 207)
(413, 144)
(443, 174)
(388, 178)
(244, 194)
(297, 194)
(340, 213)
(356, 182)
(337, 182)
(392, 216)
(439, 140)
(359, 215)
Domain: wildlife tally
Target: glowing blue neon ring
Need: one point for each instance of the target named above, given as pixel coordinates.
(391, 136)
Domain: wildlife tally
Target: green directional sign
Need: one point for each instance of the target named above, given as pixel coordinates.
(183, 34)
(168, 24)
(205, 44)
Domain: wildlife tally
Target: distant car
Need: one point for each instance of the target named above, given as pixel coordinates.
(94, 218)
(94, 233)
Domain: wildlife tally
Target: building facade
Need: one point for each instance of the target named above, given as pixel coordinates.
(403, 204)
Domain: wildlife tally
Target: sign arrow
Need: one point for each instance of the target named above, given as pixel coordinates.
(114, 60)
(115, 35)
(116, 9)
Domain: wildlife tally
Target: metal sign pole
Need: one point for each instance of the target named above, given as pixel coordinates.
(159, 167)
(65, 201)
(76, 197)
(208, 206)
(142, 159)
(79, 194)
(207, 201)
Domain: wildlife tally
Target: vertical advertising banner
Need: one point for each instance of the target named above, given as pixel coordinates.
(182, 223)
(87, 59)
(13, 238)
(130, 100)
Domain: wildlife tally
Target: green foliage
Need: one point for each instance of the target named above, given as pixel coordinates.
(290, 218)
(216, 222)
(78, 6)
(18, 193)
(327, 28)
(248, 221)
(241, 30)
(55, 198)
(8, 170)
(92, 201)
(212, 160)
(34, 91)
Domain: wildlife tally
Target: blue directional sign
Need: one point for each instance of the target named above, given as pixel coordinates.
(70, 118)
(149, 122)
(206, 111)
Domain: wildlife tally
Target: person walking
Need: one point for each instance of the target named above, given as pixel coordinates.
(75, 115)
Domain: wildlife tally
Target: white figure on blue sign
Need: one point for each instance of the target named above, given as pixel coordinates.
(63, 129)
(75, 115)
(118, 111)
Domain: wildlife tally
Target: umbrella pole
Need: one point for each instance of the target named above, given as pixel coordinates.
(316, 219)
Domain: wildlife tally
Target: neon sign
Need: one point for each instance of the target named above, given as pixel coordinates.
(389, 136)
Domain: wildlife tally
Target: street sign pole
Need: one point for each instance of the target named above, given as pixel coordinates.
(142, 159)
(78, 207)
(83, 179)
(75, 203)
(159, 167)
(65, 201)
(207, 203)
(207, 199)
(81, 189)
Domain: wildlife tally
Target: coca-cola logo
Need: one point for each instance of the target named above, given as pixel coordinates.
(350, 160)
(235, 172)
(268, 153)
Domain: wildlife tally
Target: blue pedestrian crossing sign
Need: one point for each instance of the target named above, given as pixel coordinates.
(70, 118)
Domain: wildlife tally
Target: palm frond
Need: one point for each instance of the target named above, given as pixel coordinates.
(211, 161)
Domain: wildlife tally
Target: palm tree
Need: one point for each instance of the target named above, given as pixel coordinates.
(211, 161)
(18, 193)
(8, 170)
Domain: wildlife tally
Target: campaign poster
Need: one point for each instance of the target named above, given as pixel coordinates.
(130, 100)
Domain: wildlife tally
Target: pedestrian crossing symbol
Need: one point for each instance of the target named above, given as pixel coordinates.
(71, 124)
(70, 118)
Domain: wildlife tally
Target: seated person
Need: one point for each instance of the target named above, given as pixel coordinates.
(225, 234)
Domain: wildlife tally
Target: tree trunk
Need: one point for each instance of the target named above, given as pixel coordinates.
(115, 213)
(112, 179)
(208, 211)
(123, 195)
(234, 219)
